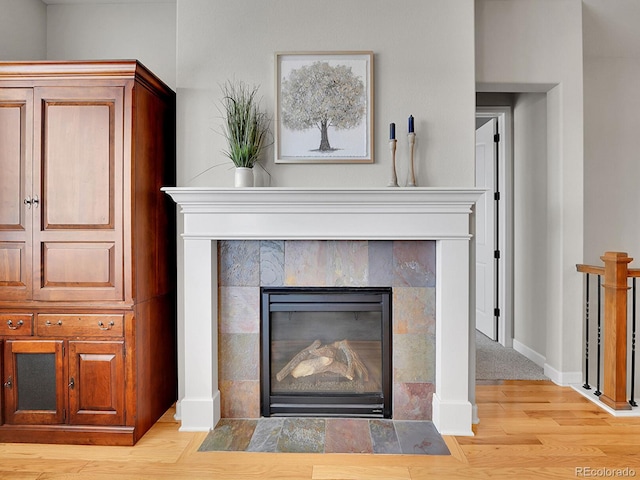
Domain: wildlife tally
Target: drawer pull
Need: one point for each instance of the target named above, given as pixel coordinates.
(49, 324)
(106, 327)
(14, 327)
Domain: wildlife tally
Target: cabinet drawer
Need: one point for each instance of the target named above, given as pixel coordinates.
(67, 325)
(16, 324)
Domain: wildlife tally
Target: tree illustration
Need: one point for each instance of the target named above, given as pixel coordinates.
(322, 96)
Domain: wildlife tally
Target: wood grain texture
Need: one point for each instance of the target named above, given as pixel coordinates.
(92, 264)
(527, 430)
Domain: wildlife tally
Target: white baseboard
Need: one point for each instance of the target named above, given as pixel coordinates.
(452, 418)
(199, 414)
(531, 354)
(588, 394)
(564, 379)
(556, 376)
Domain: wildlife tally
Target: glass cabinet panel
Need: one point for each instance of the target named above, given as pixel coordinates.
(34, 382)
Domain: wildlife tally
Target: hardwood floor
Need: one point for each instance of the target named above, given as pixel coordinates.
(528, 430)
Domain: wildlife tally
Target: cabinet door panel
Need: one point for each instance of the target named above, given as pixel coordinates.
(78, 153)
(12, 115)
(96, 371)
(71, 264)
(16, 138)
(79, 163)
(12, 261)
(34, 385)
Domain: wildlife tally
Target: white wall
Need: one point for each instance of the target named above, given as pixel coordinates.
(530, 218)
(423, 66)
(612, 143)
(612, 139)
(142, 31)
(23, 30)
(536, 46)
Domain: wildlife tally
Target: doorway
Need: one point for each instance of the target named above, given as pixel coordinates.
(494, 278)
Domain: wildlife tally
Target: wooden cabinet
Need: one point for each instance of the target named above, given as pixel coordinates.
(64, 382)
(87, 251)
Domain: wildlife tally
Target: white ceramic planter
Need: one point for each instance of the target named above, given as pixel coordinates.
(244, 177)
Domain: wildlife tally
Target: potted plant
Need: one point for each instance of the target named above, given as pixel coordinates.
(246, 129)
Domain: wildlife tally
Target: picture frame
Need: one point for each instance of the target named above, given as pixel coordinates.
(324, 107)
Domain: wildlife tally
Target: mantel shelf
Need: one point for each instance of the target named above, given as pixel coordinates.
(326, 213)
(231, 198)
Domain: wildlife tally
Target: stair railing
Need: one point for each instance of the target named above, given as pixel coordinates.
(614, 329)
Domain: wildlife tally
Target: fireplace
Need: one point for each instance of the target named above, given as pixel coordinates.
(419, 213)
(326, 352)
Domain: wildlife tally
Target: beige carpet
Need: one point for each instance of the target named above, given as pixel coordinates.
(495, 362)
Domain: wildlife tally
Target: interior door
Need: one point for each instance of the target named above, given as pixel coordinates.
(486, 157)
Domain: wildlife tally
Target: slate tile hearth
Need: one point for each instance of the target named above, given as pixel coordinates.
(320, 435)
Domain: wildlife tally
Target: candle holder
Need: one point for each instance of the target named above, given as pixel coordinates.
(412, 141)
(394, 178)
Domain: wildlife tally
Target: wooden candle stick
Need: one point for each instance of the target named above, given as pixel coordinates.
(412, 141)
(394, 178)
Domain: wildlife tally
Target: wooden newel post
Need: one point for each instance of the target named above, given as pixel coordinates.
(614, 393)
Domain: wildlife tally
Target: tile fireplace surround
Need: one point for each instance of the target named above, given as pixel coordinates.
(212, 214)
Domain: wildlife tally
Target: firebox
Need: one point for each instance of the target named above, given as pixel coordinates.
(326, 351)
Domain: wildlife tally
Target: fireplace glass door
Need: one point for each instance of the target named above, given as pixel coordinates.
(326, 352)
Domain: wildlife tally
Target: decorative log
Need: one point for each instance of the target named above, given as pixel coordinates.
(326, 351)
(346, 350)
(316, 359)
(338, 368)
(354, 363)
(358, 364)
(311, 366)
(296, 360)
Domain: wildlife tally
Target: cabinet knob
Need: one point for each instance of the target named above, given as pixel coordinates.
(72, 383)
(16, 326)
(8, 383)
(35, 201)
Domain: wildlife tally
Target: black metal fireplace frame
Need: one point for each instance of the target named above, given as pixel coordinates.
(326, 299)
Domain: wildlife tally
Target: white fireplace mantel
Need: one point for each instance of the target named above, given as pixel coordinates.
(211, 214)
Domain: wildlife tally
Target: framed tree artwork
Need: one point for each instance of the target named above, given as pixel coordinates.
(324, 107)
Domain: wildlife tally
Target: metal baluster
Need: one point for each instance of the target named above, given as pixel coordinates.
(586, 347)
(598, 392)
(632, 402)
